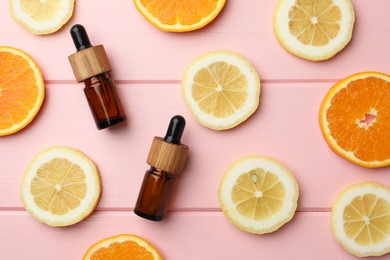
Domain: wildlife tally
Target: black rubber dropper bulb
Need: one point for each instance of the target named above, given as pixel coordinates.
(175, 130)
(80, 37)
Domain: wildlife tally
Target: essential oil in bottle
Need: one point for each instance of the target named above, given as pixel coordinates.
(90, 65)
(167, 158)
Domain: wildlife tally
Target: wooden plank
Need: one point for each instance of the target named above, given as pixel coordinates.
(138, 51)
(148, 65)
(284, 127)
(204, 235)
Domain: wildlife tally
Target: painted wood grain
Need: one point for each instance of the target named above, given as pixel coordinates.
(148, 65)
(188, 235)
(285, 127)
(244, 26)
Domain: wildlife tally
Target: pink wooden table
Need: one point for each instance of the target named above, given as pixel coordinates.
(147, 66)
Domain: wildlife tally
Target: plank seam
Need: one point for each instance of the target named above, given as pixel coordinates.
(194, 210)
(176, 81)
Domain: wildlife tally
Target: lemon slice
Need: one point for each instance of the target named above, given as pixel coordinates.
(361, 219)
(258, 194)
(41, 17)
(221, 89)
(314, 29)
(61, 186)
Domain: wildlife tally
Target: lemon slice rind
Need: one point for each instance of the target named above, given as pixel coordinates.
(244, 165)
(239, 115)
(337, 223)
(65, 12)
(92, 180)
(309, 52)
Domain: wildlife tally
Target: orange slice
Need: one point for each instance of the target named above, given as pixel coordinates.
(21, 90)
(179, 15)
(125, 246)
(355, 119)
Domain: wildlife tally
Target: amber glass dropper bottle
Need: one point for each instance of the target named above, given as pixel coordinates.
(90, 64)
(167, 157)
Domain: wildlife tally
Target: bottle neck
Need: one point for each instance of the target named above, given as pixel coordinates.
(160, 173)
(98, 78)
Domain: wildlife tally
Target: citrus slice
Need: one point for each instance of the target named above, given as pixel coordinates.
(221, 89)
(41, 17)
(258, 194)
(355, 119)
(21, 90)
(361, 219)
(125, 246)
(314, 29)
(61, 186)
(179, 15)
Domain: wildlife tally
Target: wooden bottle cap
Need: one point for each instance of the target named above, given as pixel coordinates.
(167, 156)
(89, 62)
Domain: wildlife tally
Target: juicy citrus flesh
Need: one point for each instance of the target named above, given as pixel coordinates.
(314, 29)
(125, 246)
(355, 119)
(41, 10)
(315, 22)
(258, 194)
(21, 90)
(221, 89)
(367, 219)
(179, 16)
(41, 17)
(61, 186)
(361, 219)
